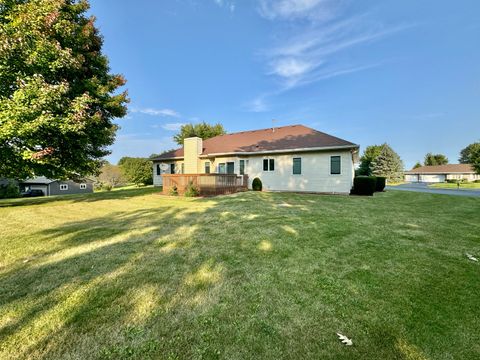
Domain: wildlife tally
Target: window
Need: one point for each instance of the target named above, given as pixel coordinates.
(172, 168)
(221, 168)
(242, 167)
(207, 167)
(268, 164)
(297, 166)
(63, 187)
(335, 165)
(183, 168)
(230, 168)
(83, 186)
(159, 172)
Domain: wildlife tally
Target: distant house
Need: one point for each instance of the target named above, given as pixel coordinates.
(441, 173)
(289, 158)
(56, 187)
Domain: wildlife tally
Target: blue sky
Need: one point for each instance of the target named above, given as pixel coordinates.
(403, 72)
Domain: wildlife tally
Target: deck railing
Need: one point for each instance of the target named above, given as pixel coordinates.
(207, 184)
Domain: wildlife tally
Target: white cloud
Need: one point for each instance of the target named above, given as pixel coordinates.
(315, 50)
(290, 67)
(297, 9)
(172, 126)
(229, 5)
(257, 105)
(156, 112)
(322, 46)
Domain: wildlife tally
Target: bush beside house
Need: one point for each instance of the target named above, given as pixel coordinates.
(257, 184)
(364, 185)
(380, 185)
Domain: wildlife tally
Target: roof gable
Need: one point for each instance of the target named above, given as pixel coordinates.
(265, 140)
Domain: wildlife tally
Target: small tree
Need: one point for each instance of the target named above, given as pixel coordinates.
(435, 159)
(202, 130)
(111, 175)
(417, 165)
(388, 164)
(137, 170)
(370, 154)
(467, 153)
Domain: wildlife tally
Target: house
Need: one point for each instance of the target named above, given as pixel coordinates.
(441, 173)
(56, 187)
(289, 158)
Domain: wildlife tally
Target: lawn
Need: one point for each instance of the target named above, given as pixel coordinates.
(454, 186)
(135, 275)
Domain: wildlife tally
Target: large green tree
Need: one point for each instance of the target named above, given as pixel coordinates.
(435, 159)
(201, 130)
(474, 158)
(467, 154)
(58, 98)
(137, 170)
(388, 164)
(370, 154)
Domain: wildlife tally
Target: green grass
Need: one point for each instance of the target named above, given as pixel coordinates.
(135, 275)
(454, 186)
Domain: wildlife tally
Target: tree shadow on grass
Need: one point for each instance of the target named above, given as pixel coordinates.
(105, 268)
(75, 198)
(197, 279)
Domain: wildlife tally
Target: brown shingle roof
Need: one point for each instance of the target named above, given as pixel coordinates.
(265, 140)
(443, 169)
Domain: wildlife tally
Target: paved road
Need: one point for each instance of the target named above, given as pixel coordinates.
(421, 187)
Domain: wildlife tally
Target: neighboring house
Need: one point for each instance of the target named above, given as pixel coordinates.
(289, 158)
(441, 173)
(56, 187)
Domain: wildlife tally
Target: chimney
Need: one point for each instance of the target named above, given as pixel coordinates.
(192, 147)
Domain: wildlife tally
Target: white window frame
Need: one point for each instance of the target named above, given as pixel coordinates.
(269, 163)
(63, 187)
(83, 186)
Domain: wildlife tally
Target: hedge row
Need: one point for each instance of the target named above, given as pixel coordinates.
(368, 185)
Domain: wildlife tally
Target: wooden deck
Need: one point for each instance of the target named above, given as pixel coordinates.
(207, 184)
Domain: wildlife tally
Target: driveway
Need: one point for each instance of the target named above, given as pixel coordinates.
(423, 187)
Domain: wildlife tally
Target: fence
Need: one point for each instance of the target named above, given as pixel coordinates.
(207, 184)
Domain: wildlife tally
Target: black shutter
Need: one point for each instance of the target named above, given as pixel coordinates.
(335, 165)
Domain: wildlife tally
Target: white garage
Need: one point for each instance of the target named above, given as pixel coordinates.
(426, 178)
(441, 173)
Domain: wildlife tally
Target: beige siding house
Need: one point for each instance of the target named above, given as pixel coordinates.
(289, 158)
(441, 173)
